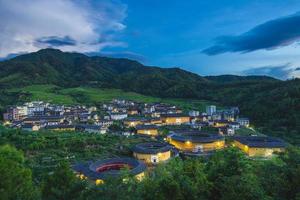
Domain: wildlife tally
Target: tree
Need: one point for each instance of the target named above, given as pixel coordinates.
(16, 179)
(245, 186)
(62, 184)
(225, 164)
(291, 169)
(177, 179)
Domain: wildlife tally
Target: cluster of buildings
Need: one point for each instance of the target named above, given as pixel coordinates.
(195, 143)
(191, 143)
(36, 115)
(189, 132)
(144, 118)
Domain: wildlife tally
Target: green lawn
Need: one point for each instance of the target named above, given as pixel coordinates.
(45, 93)
(247, 131)
(85, 95)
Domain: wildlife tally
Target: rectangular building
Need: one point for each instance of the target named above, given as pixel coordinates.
(260, 146)
(175, 119)
(210, 110)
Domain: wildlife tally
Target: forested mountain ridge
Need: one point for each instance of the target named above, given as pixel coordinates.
(50, 66)
(269, 102)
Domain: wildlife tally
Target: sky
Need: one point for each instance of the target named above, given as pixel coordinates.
(209, 37)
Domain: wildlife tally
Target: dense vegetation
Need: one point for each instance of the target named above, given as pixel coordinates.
(44, 149)
(272, 105)
(45, 173)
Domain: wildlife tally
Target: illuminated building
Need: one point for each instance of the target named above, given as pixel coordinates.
(102, 170)
(150, 130)
(132, 122)
(152, 152)
(175, 119)
(260, 146)
(196, 141)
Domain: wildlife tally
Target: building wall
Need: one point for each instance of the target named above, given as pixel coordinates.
(175, 120)
(254, 151)
(139, 177)
(152, 132)
(191, 146)
(220, 124)
(132, 123)
(147, 157)
(155, 122)
(63, 129)
(132, 112)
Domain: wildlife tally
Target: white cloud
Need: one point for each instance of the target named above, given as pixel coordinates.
(92, 26)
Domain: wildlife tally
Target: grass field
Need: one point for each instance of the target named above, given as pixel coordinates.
(85, 95)
(247, 132)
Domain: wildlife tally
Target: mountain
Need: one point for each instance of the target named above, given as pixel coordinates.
(272, 104)
(50, 66)
(233, 78)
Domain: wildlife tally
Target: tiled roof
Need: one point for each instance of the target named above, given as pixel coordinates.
(260, 141)
(145, 127)
(195, 136)
(174, 115)
(59, 126)
(43, 118)
(90, 169)
(151, 148)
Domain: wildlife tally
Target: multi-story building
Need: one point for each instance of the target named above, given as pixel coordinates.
(210, 110)
(150, 130)
(194, 113)
(175, 119)
(245, 122)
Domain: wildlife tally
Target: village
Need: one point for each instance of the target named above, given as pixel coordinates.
(175, 132)
(143, 118)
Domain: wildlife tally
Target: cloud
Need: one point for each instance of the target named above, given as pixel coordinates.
(82, 26)
(269, 35)
(282, 72)
(55, 41)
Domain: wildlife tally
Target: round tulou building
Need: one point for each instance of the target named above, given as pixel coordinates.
(196, 141)
(102, 170)
(152, 152)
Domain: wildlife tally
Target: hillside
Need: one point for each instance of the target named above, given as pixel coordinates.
(272, 105)
(234, 78)
(50, 66)
(91, 96)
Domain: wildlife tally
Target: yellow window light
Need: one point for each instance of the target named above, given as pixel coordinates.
(82, 176)
(99, 181)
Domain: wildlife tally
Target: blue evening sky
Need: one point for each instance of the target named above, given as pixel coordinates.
(174, 33)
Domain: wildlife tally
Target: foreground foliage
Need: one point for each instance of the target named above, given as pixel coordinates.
(227, 175)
